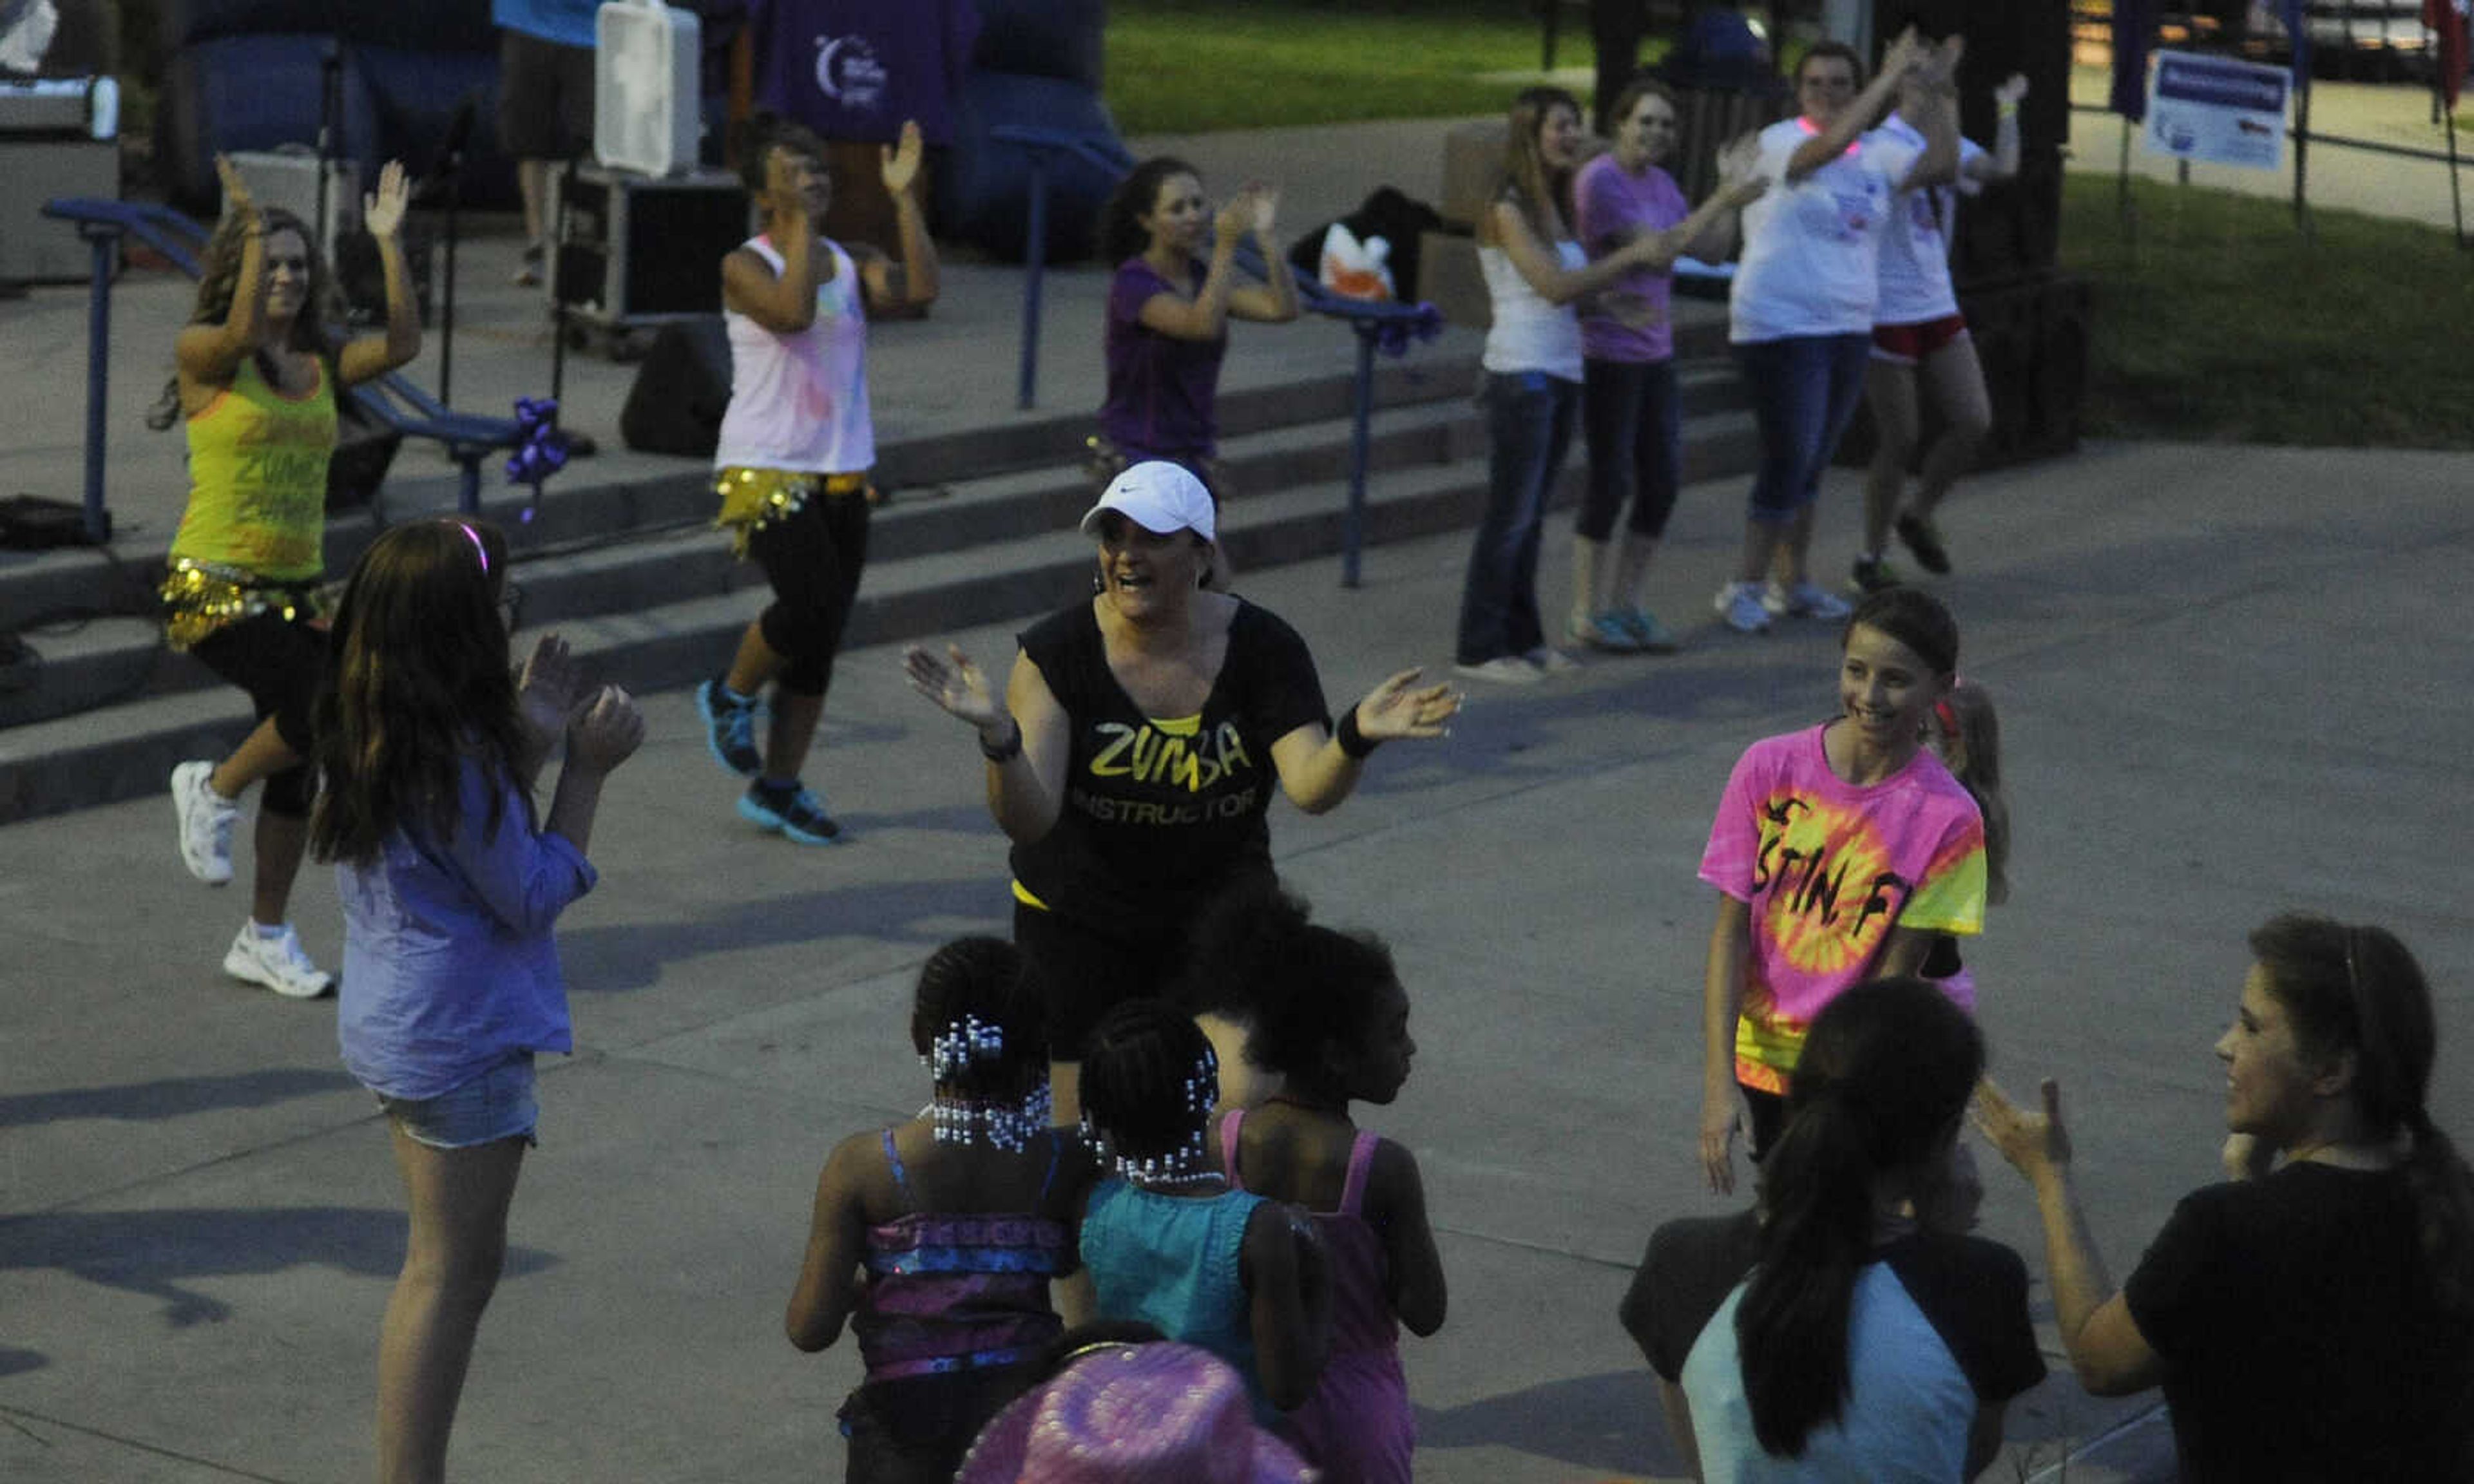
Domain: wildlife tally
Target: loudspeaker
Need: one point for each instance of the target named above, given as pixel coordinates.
(682, 388)
(2013, 229)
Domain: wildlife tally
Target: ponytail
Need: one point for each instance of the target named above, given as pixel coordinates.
(1791, 1325)
(1885, 1075)
(2442, 1189)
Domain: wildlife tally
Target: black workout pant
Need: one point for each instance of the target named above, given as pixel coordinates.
(812, 559)
(280, 662)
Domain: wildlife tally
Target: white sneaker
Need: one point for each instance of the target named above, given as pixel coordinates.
(206, 823)
(1807, 599)
(1551, 661)
(1740, 605)
(1502, 670)
(278, 963)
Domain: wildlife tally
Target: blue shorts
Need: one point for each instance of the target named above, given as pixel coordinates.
(498, 1104)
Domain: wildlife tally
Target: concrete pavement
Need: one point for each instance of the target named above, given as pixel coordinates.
(2230, 681)
(2223, 692)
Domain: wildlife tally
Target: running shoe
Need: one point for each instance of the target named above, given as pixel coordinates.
(1551, 661)
(206, 823)
(278, 963)
(1807, 599)
(1648, 634)
(1923, 538)
(528, 272)
(1502, 670)
(793, 813)
(1871, 574)
(1739, 604)
(730, 727)
(1610, 632)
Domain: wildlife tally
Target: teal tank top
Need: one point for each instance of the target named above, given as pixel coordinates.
(1172, 1263)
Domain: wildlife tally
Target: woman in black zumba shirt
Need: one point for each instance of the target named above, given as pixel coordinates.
(1132, 758)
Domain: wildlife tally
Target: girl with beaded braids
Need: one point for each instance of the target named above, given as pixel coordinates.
(2312, 1318)
(1166, 1239)
(935, 1240)
(255, 383)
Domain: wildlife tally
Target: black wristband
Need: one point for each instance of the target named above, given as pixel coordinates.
(1004, 751)
(1354, 743)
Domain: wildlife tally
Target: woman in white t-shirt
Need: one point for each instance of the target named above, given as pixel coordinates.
(1802, 308)
(1536, 277)
(1920, 337)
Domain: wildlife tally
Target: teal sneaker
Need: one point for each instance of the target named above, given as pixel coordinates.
(730, 727)
(1648, 634)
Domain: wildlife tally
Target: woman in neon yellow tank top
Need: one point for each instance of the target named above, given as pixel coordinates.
(256, 378)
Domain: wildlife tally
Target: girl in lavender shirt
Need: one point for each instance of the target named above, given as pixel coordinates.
(1631, 416)
(449, 884)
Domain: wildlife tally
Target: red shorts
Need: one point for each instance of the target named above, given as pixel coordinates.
(1908, 344)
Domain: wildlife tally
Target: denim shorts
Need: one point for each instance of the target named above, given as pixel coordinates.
(498, 1104)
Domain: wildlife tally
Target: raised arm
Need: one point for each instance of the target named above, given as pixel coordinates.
(1205, 316)
(911, 281)
(2002, 163)
(2107, 1351)
(1862, 114)
(368, 357)
(827, 1288)
(783, 302)
(1274, 301)
(1936, 75)
(1320, 768)
(209, 355)
(1026, 741)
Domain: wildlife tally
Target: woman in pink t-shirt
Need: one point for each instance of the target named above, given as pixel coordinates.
(1631, 416)
(1839, 852)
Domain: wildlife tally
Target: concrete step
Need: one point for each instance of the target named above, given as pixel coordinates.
(634, 542)
(73, 762)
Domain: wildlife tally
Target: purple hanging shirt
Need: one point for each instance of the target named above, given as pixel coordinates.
(854, 69)
(1160, 388)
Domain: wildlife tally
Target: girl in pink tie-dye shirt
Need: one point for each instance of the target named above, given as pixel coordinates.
(1839, 852)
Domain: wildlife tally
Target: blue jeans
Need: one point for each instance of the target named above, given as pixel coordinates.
(1529, 429)
(1804, 388)
(498, 1104)
(1632, 419)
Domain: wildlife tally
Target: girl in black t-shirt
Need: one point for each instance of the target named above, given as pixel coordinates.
(1132, 758)
(2313, 1319)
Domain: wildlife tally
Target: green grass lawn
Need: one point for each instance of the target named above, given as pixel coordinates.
(2218, 319)
(1185, 66)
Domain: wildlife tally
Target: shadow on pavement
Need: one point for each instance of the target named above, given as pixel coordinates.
(169, 1097)
(1606, 1422)
(624, 957)
(154, 1251)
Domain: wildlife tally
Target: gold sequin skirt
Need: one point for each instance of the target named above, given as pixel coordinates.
(754, 498)
(205, 597)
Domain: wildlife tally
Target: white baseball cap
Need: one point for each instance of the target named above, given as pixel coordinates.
(1161, 497)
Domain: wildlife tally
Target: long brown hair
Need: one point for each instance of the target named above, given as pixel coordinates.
(2354, 988)
(1528, 181)
(1122, 234)
(219, 283)
(417, 682)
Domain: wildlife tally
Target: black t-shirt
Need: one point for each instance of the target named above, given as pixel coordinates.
(1972, 1291)
(1161, 812)
(2298, 1332)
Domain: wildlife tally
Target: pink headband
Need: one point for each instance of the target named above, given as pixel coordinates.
(480, 552)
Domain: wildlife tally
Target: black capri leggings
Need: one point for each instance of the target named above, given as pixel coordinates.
(280, 662)
(1631, 417)
(812, 559)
